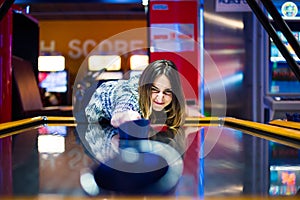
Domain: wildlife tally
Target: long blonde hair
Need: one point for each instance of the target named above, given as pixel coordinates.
(175, 112)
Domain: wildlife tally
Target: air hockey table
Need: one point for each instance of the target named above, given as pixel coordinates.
(209, 158)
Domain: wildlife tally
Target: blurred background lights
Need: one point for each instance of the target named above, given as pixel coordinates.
(139, 62)
(51, 63)
(89, 184)
(51, 144)
(109, 62)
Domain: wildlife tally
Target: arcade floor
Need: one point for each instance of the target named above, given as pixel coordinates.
(209, 158)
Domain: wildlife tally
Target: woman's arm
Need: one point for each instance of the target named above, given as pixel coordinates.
(100, 105)
(126, 107)
(116, 101)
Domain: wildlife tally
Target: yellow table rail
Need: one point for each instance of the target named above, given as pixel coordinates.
(54, 120)
(286, 124)
(264, 128)
(22, 122)
(285, 131)
(14, 127)
(203, 121)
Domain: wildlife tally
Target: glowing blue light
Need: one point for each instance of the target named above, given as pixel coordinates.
(234, 79)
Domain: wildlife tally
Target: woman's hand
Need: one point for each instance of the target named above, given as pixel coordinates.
(122, 117)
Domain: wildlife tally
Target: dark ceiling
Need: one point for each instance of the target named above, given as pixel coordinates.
(91, 11)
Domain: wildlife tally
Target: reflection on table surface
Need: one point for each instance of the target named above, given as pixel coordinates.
(211, 160)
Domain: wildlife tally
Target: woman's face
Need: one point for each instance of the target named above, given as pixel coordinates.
(161, 93)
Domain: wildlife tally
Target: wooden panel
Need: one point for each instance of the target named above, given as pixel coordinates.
(26, 85)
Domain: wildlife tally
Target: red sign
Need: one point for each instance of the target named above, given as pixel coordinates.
(174, 36)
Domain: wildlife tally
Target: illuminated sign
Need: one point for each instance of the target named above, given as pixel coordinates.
(175, 37)
(232, 6)
(160, 7)
(289, 9)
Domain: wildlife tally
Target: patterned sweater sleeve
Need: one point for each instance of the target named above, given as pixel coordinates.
(100, 105)
(126, 96)
(113, 97)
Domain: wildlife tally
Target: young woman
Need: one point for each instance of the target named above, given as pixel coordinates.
(156, 95)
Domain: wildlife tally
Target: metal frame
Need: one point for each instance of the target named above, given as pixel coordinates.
(283, 27)
(5, 6)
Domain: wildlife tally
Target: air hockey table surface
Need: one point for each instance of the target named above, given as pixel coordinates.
(209, 158)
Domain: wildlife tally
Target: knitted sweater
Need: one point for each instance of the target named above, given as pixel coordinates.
(113, 97)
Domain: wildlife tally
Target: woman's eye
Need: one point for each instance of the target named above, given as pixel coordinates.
(155, 90)
(168, 92)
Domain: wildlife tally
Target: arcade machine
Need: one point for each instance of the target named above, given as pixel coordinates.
(282, 86)
(110, 63)
(53, 80)
(282, 91)
(284, 179)
(138, 63)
